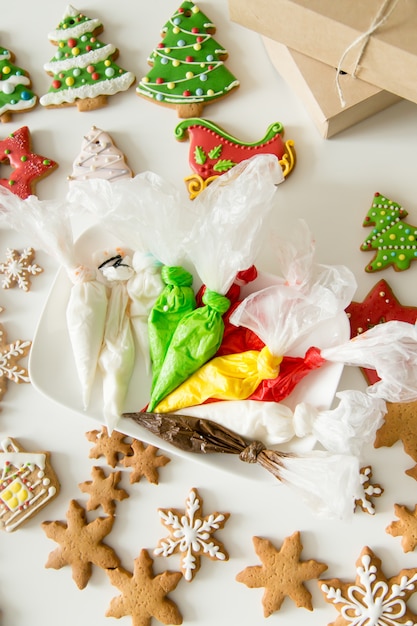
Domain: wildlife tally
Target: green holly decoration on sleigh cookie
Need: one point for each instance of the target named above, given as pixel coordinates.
(394, 241)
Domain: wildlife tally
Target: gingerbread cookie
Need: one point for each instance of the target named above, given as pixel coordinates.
(282, 573)
(27, 484)
(144, 461)
(372, 598)
(370, 490)
(188, 70)
(144, 595)
(10, 355)
(28, 168)
(80, 544)
(378, 307)
(394, 241)
(99, 158)
(400, 424)
(405, 527)
(213, 151)
(191, 535)
(113, 447)
(103, 490)
(18, 267)
(15, 93)
(83, 68)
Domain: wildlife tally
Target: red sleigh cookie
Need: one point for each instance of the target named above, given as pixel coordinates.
(27, 167)
(213, 151)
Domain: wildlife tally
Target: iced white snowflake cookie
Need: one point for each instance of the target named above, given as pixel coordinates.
(372, 599)
(27, 484)
(18, 267)
(99, 158)
(191, 535)
(10, 355)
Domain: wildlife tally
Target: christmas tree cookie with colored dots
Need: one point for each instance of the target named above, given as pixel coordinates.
(394, 241)
(15, 93)
(188, 70)
(27, 167)
(83, 68)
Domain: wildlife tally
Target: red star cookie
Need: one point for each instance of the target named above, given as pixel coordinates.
(379, 306)
(27, 167)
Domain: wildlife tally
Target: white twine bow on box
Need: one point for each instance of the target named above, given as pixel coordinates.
(381, 17)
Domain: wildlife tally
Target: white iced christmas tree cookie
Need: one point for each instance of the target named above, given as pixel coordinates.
(99, 158)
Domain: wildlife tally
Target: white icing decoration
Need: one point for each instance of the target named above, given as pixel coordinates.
(14, 80)
(99, 158)
(19, 106)
(105, 88)
(82, 60)
(373, 603)
(76, 31)
(5, 56)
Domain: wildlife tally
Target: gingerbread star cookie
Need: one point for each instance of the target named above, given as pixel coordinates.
(103, 490)
(28, 168)
(18, 267)
(400, 424)
(372, 598)
(144, 461)
(191, 535)
(80, 544)
(379, 306)
(282, 573)
(112, 447)
(144, 595)
(405, 527)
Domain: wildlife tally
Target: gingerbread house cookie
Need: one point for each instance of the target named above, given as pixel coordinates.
(27, 484)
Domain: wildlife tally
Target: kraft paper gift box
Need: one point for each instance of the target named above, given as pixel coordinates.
(375, 40)
(314, 83)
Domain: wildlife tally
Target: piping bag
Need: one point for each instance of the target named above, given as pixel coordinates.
(224, 239)
(328, 483)
(48, 223)
(145, 214)
(281, 315)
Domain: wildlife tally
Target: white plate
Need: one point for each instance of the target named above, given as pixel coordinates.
(52, 368)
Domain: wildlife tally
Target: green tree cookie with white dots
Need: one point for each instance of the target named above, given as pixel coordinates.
(394, 241)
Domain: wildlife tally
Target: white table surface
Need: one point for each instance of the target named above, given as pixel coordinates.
(331, 188)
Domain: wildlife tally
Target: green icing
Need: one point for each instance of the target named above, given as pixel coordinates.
(80, 76)
(188, 65)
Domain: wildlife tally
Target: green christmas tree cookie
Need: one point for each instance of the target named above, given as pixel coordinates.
(15, 93)
(395, 241)
(188, 68)
(83, 69)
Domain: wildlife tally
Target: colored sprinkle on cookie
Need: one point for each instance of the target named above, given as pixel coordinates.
(372, 598)
(18, 267)
(394, 241)
(144, 461)
(99, 158)
(80, 544)
(111, 447)
(10, 355)
(144, 595)
(27, 167)
(213, 151)
(405, 527)
(191, 535)
(83, 68)
(15, 93)
(378, 307)
(282, 573)
(369, 491)
(188, 70)
(400, 424)
(103, 491)
(27, 484)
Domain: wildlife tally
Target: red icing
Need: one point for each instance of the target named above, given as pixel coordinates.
(379, 306)
(28, 167)
(203, 137)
